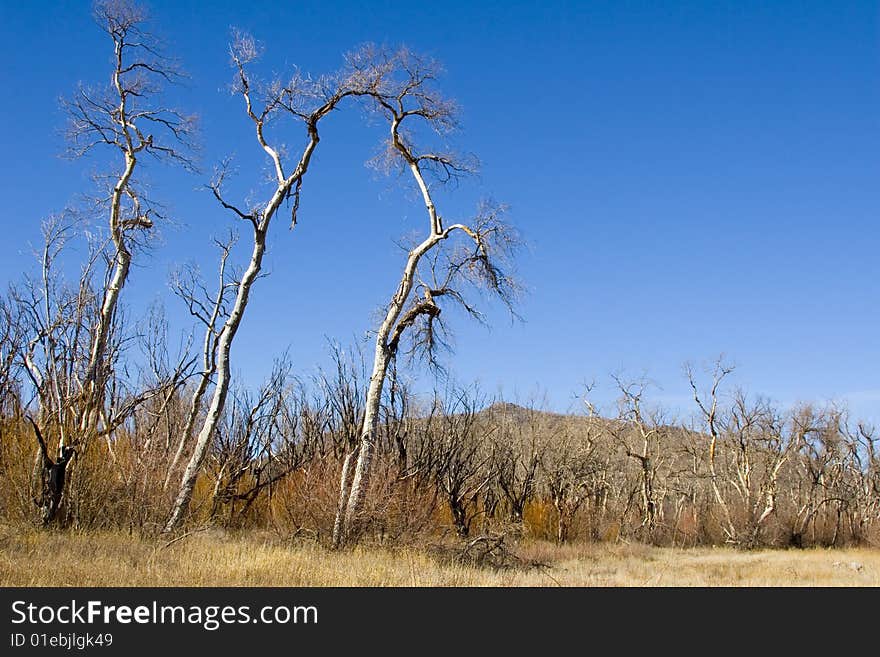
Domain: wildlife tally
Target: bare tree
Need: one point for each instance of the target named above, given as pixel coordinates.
(73, 340)
(640, 433)
(521, 438)
(54, 319)
(863, 466)
(763, 439)
(709, 411)
(130, 119)
(343, 389)
(263, 439)
(408, 105)
(306, 101)
(11, 339)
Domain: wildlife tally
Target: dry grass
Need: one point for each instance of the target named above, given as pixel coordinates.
(33, 558)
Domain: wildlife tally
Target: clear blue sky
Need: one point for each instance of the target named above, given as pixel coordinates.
(693, 177)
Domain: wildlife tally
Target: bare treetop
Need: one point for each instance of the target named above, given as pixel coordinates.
(129, 114)
(415, 108)
(475, 265)
(119, 17)
(305, 98)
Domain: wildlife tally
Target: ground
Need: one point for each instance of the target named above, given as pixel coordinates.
(211, 558)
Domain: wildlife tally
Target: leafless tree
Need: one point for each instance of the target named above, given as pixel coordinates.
(640, 433)
(263, 440)
(11, 340)
(762, 440)
(520, 440)
(54, 319)
(431, 274)
(709, 412)
(824, 491)
(73, 342)
(863, 442)
(210, 309)
(343, 389)
(130, 120)
(756, 441)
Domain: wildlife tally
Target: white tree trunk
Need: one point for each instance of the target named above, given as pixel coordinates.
(221, 389)
(344, 488)
(367, 440)
(193, 412)
(209, 366)
(94, 382)
(381, 360)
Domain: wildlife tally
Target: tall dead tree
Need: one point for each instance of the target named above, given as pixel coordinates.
(131, 120)
(430, 274)
(307, 101)
(54, 320)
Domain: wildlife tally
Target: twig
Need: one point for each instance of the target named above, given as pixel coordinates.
(183, 536)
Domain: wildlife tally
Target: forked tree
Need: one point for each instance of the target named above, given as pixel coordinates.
(450, 259)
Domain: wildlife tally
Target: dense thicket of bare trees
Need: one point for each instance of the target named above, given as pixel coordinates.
(99, 416)
(459, 463)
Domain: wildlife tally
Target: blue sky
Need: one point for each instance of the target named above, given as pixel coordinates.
(693, 178)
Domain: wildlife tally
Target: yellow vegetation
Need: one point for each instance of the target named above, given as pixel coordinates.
(214, 558)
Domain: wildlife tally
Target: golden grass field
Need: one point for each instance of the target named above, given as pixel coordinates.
(35, 558)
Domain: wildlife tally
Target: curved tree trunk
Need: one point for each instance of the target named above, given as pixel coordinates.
(367, 446)
(221, 389)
